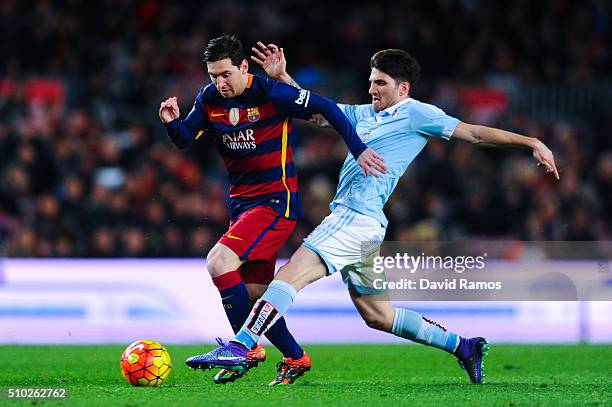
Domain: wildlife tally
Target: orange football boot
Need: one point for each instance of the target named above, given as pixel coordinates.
(290, 369)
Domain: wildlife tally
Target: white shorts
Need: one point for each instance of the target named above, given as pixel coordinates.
(347, 241)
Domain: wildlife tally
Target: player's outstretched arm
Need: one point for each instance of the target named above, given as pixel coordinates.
(301, 103)
(492, 137)
(369, 160)
(323, 112)
(272, 59)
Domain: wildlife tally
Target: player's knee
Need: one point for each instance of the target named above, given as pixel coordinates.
(218, 263)
(212, 262)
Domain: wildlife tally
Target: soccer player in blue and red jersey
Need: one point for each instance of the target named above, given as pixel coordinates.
(248, 118)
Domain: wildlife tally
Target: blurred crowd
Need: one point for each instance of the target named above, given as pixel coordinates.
(90, 172)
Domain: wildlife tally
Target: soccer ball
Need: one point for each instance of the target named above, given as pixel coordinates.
(146, 363)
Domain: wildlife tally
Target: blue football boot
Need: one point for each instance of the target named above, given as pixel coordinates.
(232, 356)
(471, 353)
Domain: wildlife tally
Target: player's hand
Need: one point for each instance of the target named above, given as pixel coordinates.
(545, 158)
(372, 163)
(271, 58)
(169, 110)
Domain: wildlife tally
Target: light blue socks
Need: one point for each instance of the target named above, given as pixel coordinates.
(270, 307)
(411, 325)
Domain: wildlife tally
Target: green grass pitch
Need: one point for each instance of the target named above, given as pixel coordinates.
(352, 375)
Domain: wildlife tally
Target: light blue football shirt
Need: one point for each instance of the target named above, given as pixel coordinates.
(398, 133)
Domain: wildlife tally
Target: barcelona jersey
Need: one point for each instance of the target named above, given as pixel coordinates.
(254, 136)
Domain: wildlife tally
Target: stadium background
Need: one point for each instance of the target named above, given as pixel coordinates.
(86, 170)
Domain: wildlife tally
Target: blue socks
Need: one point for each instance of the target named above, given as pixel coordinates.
(235, 299)
(412, 325)
(279, 336)
(267, 310)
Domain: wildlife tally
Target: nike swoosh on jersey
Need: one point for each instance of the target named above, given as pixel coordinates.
(230, 236)
(217, 114)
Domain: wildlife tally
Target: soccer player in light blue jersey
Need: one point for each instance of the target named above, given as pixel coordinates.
(397, 127)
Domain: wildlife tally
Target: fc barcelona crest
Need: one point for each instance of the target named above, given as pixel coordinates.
(234, 116)
(253, 114)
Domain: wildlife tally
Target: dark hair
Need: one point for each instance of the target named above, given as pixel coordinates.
(225, 46)
(398, 64)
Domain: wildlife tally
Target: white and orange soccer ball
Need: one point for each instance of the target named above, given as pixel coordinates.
(146, 363)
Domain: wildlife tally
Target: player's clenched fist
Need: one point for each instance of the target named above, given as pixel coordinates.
(169, 110)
